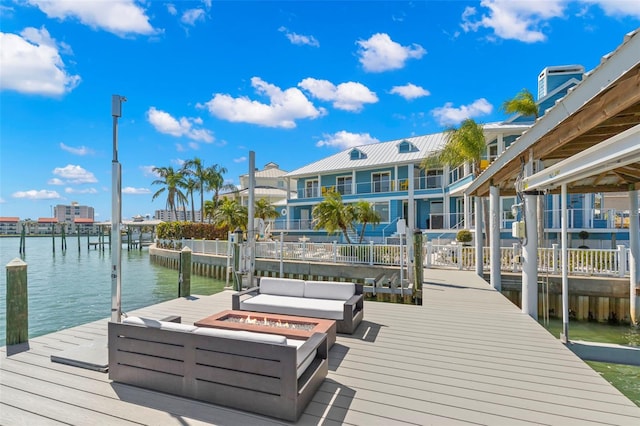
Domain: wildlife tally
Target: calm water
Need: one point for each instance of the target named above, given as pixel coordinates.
(72, 288)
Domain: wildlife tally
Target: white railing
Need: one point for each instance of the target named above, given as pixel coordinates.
(612, 262)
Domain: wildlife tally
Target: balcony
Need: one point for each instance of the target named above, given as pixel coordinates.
(376, 187)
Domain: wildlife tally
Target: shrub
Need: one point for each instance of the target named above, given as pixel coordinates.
(180, 230)
(464, 236)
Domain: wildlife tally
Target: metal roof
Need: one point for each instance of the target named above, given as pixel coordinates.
(375, 155)
(604, 104)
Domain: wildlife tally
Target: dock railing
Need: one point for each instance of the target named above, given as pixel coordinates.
(590, 262)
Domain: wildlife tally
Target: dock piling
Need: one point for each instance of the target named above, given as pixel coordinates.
(17, 303)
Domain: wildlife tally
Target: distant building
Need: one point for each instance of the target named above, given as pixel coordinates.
(69, 213)
(9, 225)
(270, 183)
(182, 216)
(45, 225)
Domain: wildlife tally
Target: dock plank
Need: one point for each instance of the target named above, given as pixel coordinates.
(466, 356)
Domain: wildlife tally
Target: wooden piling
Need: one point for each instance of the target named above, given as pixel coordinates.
(17, 303)
(184, 288)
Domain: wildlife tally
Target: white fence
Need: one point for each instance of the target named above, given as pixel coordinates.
(612, 262)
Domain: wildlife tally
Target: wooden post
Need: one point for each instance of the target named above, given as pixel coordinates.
(184, 289)
(418, 261)
(78, 233)
(17, 303)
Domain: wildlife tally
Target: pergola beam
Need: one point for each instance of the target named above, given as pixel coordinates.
(614, 153)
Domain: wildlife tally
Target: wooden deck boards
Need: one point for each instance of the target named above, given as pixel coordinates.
(467, 356)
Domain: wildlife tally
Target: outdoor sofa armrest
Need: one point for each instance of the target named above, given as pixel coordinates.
(317, 341)
(235, 297)
(353, 305)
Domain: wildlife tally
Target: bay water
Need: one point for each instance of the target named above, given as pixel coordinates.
(73, 287)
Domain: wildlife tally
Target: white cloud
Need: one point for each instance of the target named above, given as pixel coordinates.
(34, 194)
(380, 53)
(617, 7)
(348, 96)
(240, 160)
(409, 91)
(448, 115)
(148, 171)
(118, 17)
(31, 63)
(74, 174)
(344, 139)
(283, 109)
(81, 150)
(191, 16)
(514, 20)
(55, 181)
(81, 191)
(2, 200)
(135, 191)
(172, 9)
(165, 123)
(299, 39)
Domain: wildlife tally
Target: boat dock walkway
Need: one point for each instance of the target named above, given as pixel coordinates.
(466, 356)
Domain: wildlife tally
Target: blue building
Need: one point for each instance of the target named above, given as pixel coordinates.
(389, 176)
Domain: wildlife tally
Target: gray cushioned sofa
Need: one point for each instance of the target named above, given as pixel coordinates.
(339, 301)
(262, 373)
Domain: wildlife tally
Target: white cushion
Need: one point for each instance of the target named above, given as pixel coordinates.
(248, 336)
(163, 325)
(298, 306)
(302, 364)
(282, 286)
(329, 290)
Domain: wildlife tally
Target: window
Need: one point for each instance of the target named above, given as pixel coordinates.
(434, 179)
(493, 152)
(311, 188)
(381, 182)
(356, 154)
(506, 204)
(343, 185)
(456, 174)
(406, 146)
(383, 211)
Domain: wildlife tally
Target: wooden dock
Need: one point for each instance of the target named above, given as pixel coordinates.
(466, 356)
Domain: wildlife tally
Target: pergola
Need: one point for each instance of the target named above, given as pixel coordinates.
(588, 142)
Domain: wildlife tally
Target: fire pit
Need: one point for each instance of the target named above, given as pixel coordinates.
(285, 325)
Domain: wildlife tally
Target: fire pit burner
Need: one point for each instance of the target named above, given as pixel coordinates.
(268, 322)
(285, 325)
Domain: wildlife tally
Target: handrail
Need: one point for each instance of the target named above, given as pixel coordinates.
(592, 262)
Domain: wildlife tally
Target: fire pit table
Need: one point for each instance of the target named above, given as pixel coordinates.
(291, 327)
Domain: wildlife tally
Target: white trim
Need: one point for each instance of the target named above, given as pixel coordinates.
(617, 151)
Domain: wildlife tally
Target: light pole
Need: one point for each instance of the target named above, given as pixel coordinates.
(116, 213)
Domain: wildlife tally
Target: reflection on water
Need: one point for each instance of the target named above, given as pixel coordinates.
(74, 287)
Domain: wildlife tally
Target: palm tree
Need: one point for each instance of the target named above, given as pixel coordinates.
(364, 213)
(215, 182)
(209, 209)
(265, 210)
(230, 214)
(196, 168)
(523, 103)
(332, 215)
(191, 185)
(172, 182)
(466, 144)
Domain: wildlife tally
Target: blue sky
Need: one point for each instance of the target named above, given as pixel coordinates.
(292, 81)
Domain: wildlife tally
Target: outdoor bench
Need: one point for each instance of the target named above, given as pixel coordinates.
(339, 301)
(263, 373)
